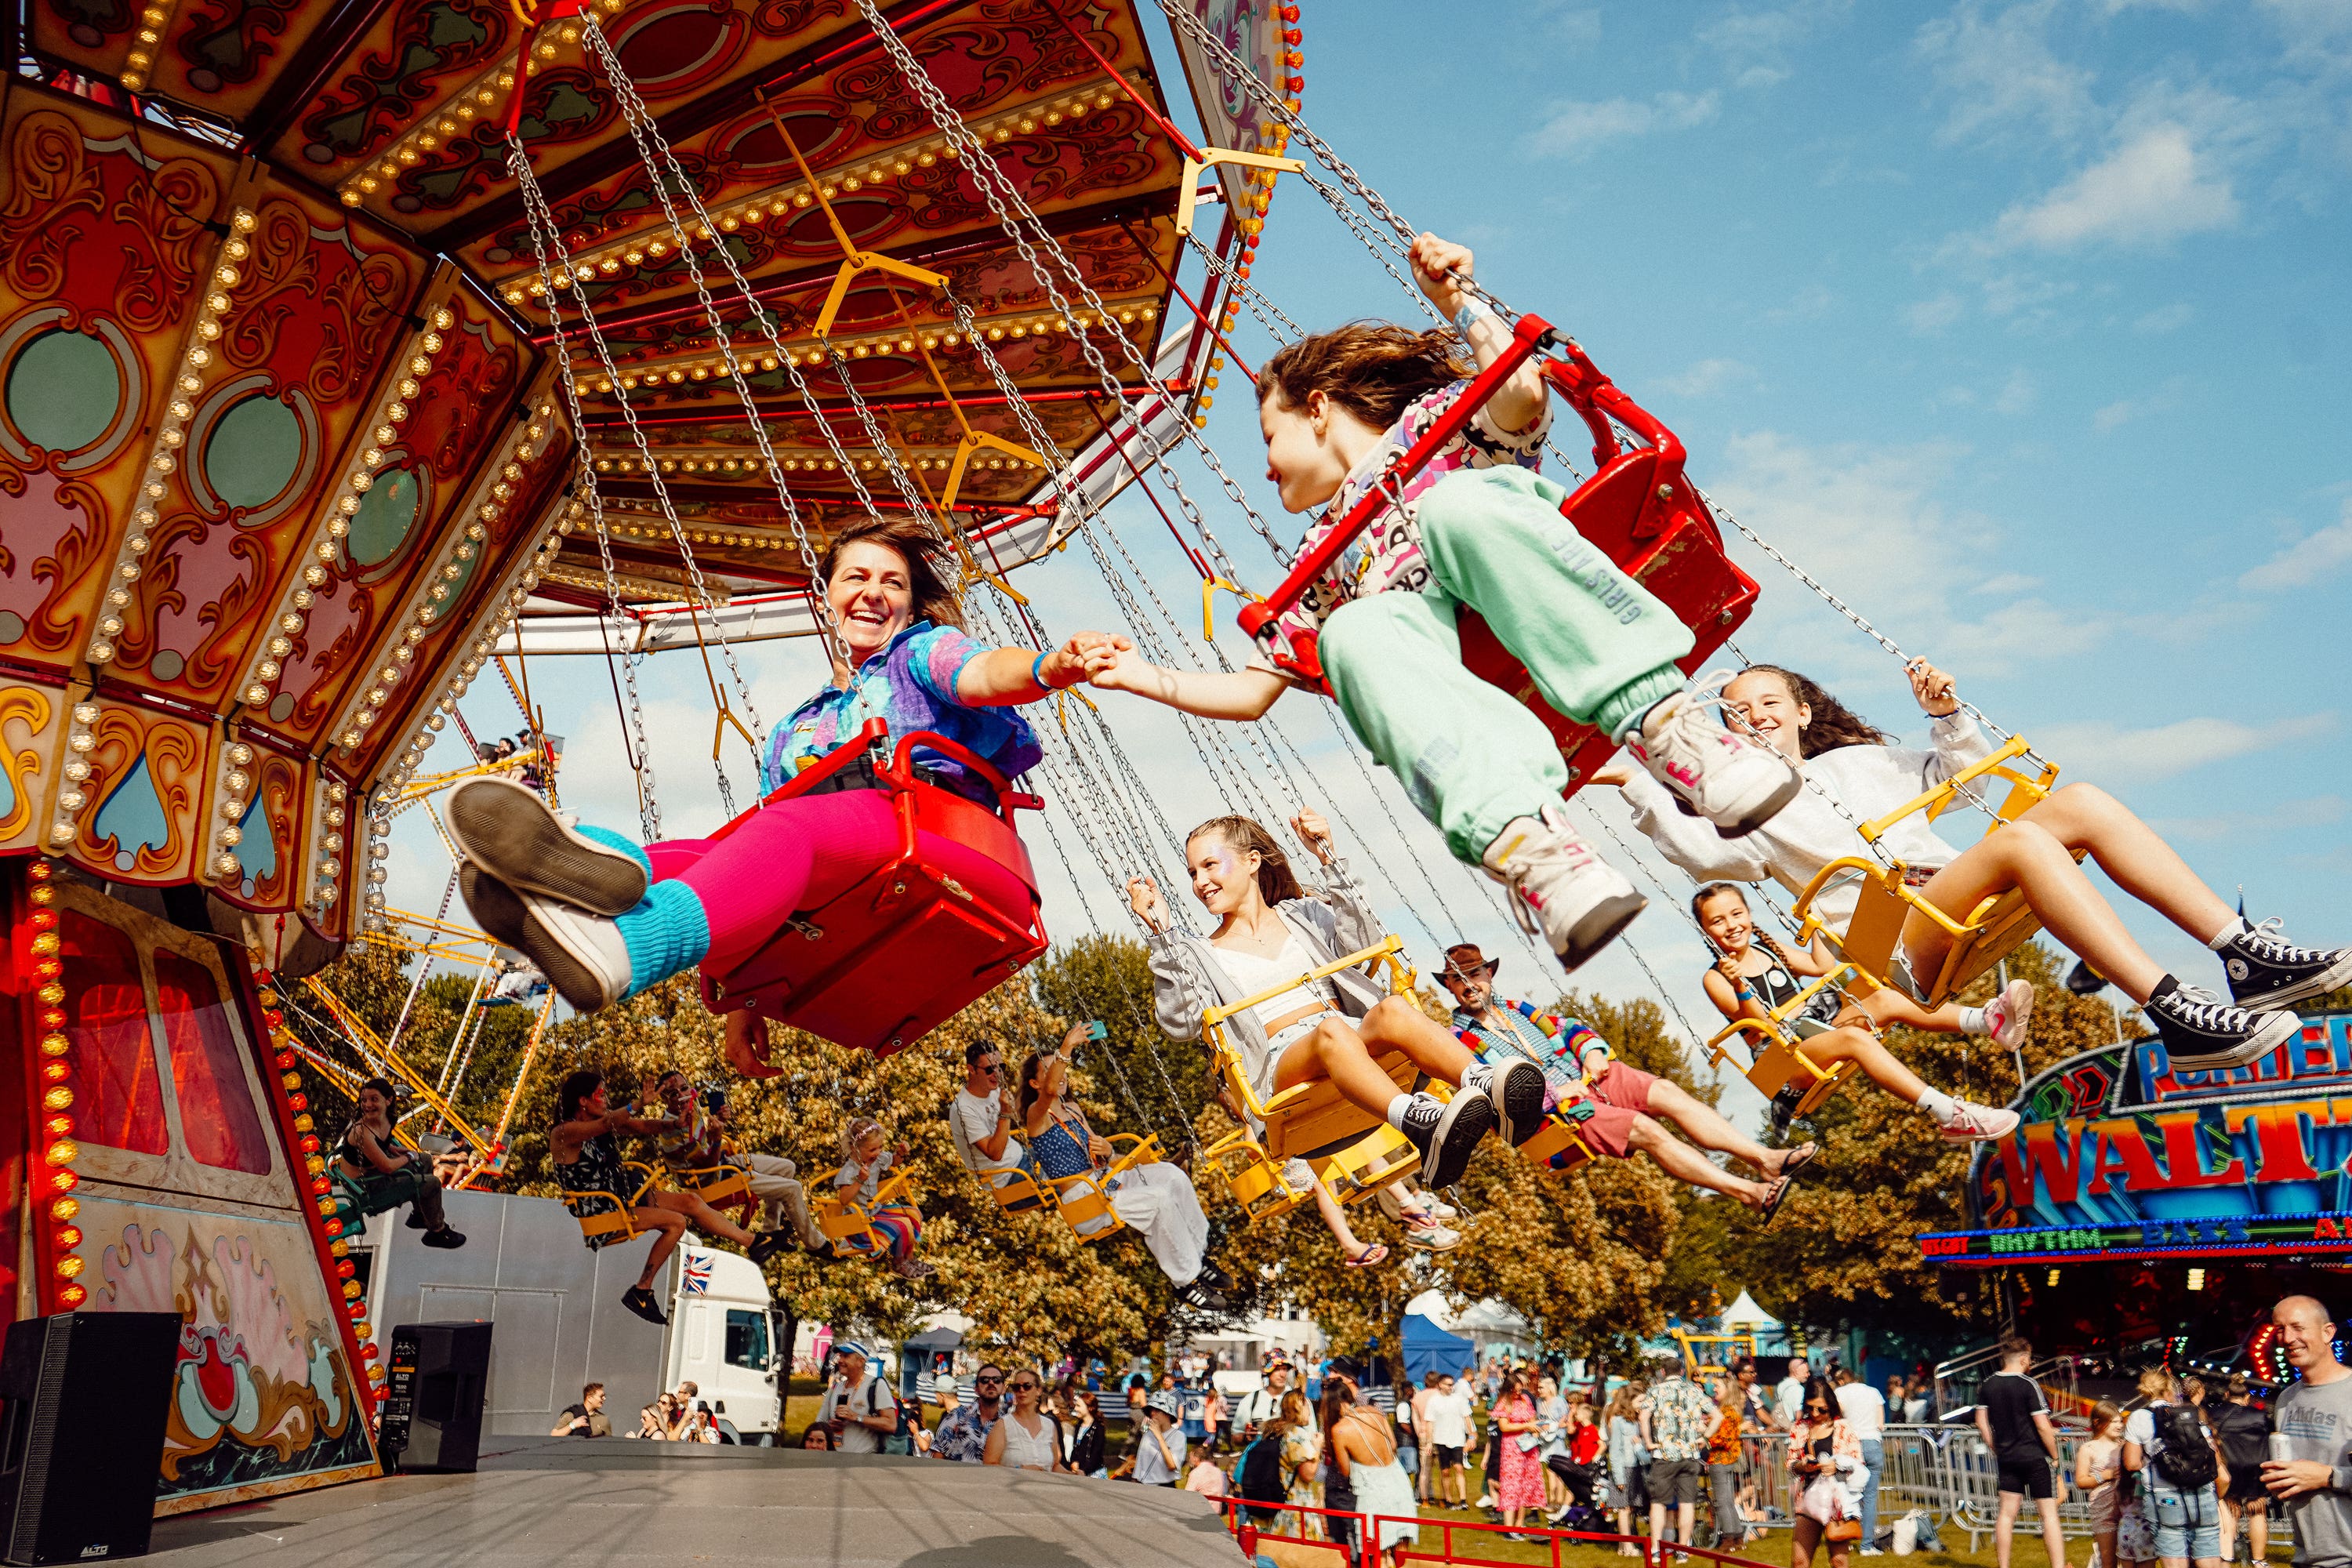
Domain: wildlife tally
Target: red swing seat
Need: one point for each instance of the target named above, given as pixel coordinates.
(909, 945)
(1638, 507)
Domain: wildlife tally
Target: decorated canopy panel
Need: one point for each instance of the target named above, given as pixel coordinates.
(285, 444)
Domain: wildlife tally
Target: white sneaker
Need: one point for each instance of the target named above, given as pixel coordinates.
(1559, 888)
(583, 956)
(2006, 1014)
(1978, 1123)
(1431, 1236)
(1735, 783)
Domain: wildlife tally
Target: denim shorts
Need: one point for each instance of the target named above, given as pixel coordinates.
(2188, 1524)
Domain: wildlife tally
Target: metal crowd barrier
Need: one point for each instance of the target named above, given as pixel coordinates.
(1945, 1472)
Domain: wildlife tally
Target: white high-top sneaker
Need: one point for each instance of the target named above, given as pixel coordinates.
(1735, 783)
(1559, 888)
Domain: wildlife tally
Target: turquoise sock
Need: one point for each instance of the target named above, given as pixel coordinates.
(667, 933)
(612, 840)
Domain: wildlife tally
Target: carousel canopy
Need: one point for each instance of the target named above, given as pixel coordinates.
(285, 454)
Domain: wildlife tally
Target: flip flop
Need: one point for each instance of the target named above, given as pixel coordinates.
(1373, 1257)
(1803, 1155)
(1780, 1189)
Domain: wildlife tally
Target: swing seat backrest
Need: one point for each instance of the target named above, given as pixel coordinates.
(953, 912)
(1775, 1060)
(1015, 1191)
(620, 1221)
(720, 1185)
(1885, 898)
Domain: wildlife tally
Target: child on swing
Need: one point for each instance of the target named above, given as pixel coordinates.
(1476, 528)
(866, 1164)
(1754, 974)
(1857, 766)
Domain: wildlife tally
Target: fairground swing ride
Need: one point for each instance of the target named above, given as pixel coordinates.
(345, 353)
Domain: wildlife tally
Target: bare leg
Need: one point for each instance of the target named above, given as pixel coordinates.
(2004, 1527)
(2027, 856)
(1887, 1006)
(2053, 1537)
(1336, 1218)
(691, 1205)
(2083, 817)
(1343, 1053)
(667, 1228)
(1706, 1127)
(1684, 1164)
(1877, 1063)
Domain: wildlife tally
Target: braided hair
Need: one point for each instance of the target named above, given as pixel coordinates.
(1757, 933)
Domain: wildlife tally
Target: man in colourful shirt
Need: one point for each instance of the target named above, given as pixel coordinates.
(1624, 1102)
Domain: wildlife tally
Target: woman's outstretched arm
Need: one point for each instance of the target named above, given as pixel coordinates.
(1004, 677)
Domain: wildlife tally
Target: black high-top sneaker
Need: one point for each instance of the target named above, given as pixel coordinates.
(1446, 1132)
(2266, 971)
(2202, 1032)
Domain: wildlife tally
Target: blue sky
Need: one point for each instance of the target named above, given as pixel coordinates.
(2023, 327)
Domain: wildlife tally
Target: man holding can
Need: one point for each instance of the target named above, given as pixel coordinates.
(2309, 1466)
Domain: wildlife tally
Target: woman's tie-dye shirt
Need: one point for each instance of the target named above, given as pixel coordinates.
(912, 684)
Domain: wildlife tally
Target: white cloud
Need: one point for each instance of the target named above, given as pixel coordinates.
(1570, 26)
(2166, 319)
(2153, 189)
(1870, 522)
(2307, 560)
(2123, 411)
(2101, 750)
(1931, 316)
(2287, 816)
(1999, 70)
(2017, 394)
(1756, 41)
(1709, 377)
(1576, 128)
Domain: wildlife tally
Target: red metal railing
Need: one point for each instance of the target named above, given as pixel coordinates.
(1365, 1551)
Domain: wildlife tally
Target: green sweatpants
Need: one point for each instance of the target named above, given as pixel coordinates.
(1600, 647)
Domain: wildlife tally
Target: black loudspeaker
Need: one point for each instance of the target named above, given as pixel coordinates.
(81, 1441)
(435, 1387)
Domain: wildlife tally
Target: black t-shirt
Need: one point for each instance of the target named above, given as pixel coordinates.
(2012, 1400)
(599, 1424)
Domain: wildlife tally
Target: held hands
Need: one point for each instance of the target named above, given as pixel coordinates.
(1433, 259)
(1076, 661)
(1143, 898)
(1314, 833)
(1117, 667)
(1932, 689)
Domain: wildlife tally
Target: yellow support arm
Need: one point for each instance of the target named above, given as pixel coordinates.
(1188, 191)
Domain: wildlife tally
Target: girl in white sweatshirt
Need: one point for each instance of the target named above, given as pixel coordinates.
(1846, 759)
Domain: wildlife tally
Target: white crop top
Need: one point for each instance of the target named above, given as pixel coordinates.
(1253, 974)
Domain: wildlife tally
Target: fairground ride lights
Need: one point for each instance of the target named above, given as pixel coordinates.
(52, 1187)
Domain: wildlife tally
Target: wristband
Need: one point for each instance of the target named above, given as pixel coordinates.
(1472, 311)
(1037, 671)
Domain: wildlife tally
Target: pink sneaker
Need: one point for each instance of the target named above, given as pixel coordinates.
(2006, 1014)
(1736, 784)
(1978, 1123)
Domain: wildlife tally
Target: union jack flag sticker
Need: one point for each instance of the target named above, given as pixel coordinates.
(698, 1274)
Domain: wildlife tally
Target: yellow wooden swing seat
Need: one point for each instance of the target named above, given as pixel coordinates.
(617, 1224)
(1872, 942)
(1351, 1151)
(1085, 1201)
(719, 1184)
(1777, 1064)
(849, 1225)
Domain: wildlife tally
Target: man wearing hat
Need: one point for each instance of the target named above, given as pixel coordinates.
(1579, 1065)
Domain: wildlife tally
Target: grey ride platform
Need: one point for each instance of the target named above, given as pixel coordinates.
(546, 1501)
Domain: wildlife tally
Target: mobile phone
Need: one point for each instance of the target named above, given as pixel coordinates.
(1098, 1031)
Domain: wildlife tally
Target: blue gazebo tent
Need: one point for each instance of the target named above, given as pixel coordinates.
(1428, 1348)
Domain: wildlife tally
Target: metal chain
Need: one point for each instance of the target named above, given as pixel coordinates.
(1231, 66)
(648, 803)
(1004, 199)
(1250, 295)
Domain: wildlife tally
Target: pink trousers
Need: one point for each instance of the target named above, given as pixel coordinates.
(799, 855)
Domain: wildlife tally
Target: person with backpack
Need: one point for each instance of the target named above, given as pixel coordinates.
(867, 1410)
(2014, 1419)
(2168, 1445)
(1258, 1475)
(2244, 1434)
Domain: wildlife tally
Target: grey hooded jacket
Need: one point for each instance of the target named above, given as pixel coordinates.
(1333, 921)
